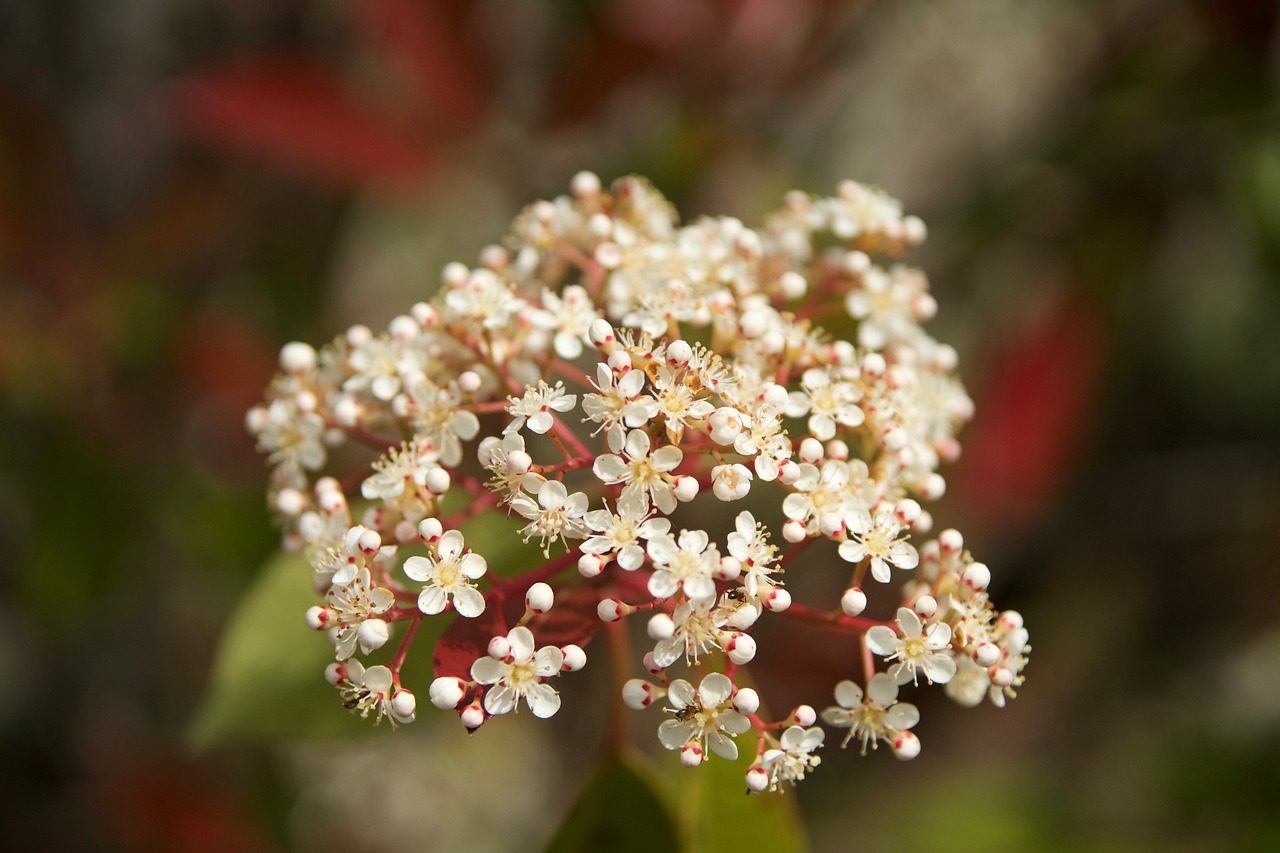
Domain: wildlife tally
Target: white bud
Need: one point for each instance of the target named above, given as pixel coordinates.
(986, 654)
(788, 472)
(907, 510)
(430, 530)
(499, 648)
(494, 257)
(601, 333)
(291, 502)
(437, 481)
(574, 658)
(619, 361)
(423, 314)
(446, 692)
(358, 335)
(297, 357)
(685, 488)
(404, 704)
(774, 395)
(933, 487)
(608, 255)
(729, 568)
(913, 229)
(472, 716)
(469, 381)
(746, 701)
(856, 263)
(906, 746)
(661, 627)
(753, 323)
(539, 598)
(256, 419)
(926, 606)
(679, 353)
(811, 450)
(404, 531)
(873, 365)
(611, 610)
(590, 565)
(1010, 620)
(832, 525)
(691, 755)
(318, 618)
(894, 439)
(373, 634)
(454, 274)
(369, 542)
(793, 530)
(638, 694)
(650, 665)
(519, 462)
(347, 412)
(731, 482)
(977, 577)
(307, 402)
(585, 185)
(837, 449)
(757, 780)
(804, 715)
(403, 327)
(853, 602)
(951, 540)
(741, 648)
(742, 618)
(777, 599)
(923, 522)
(793, 285)
(1002, 676)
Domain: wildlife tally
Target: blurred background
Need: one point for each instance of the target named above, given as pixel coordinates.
(187, 184)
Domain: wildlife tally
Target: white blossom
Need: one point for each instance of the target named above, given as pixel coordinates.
(448, 576)
(519, 675)
(915, 649)
(875, 716)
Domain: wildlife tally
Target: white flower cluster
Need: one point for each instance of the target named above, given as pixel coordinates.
(611, 378)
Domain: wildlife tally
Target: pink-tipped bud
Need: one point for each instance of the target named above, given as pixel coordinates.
(792, 284)
(1010, 620)
(777, 599)
(472, 716)
(691, 755)
(873, 365)
(856, 263)
(437, 481)
(794, 531)
(907, 510)
(831, 524)
(405, 531)
(347, 412)
(811, 450)
(1002, 676)
(977, 577)
(404, 704)
(788, 472)
(369, 542)
(574, 658)
(746, 701)
(951, 541)
(519, 462)
(933, 487)
(661, 627)
(906, 745)
(469, 381)
(685, 488)
(585, 185)
(601, 333)
(757, 780)
(446, 692)
(359, 335)
(318, 618)
(499, 648)
(372, 634)
(853, 602)
(729, 568)
(540, 597)
(291, 502)
(611, 610)
(741, 648)
(297, 357)
(638, 694)
(804, 716)
(430, 530)
(986, 654)
(335, 674)
(424, 315)
(926, 606)
(651, 665)
(590, 565)
(679, 353)
(923, 523)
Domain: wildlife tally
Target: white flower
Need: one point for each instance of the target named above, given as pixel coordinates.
(645, 475)
(291, 437)
(373, 689)
(439, 426)
(534, 407)
(731, 482)
(519, 675)
(555, 515)
(677, 403)
(507, 458)
(448, 575)
(688, 563)
(749, 545)
(570, 315)
(828, 402)
(970, 684)
(620, 533)
(877, 716)
(697, 630)
(352, 604)
(700, 718)
(795, 756)
(620, 403)
(915, 650)
(379, 365)
(881, 542)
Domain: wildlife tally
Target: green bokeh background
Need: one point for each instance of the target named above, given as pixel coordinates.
(186, 185)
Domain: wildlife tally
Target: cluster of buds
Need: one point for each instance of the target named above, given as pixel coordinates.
(611, 379)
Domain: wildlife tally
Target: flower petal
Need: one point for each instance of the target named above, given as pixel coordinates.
(521, 640)
(432, 600)
(714, 689)
(543, 700)
(849, 694)
(882, 640)
(468, 601)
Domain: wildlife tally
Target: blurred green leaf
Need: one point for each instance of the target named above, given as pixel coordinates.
(267, 680)
(618, 809)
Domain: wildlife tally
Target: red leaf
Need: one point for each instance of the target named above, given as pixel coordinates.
(296, 114)
(573, 619)
(467, 640)
(1032, 417)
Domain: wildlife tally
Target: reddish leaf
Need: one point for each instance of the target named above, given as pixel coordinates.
(573, 619)
(466, 640)
(429, 41)
(1032, 417)
(293, 113)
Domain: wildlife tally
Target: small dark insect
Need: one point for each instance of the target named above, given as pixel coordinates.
(687, 712)
(736, 594)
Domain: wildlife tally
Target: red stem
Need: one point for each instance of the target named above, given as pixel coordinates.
(403, 651)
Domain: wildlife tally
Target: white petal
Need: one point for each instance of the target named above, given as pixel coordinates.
(733, 722)
(904, 555)
(419, 568)
(486, 670)
(681, 693)
(663, 584)
(939, 668)
(521, 640)
(473, 566)
(450, 545)
(547, 661)
(882, 640)
(723, 746)
(638, 444)
(714, 689)
(500, 700)
(609, 468)
(432, 600)
(879, 570)
(849, 695)
(852, 551)
(909, 622)
(543, 700)
(468, 601)
(630, 558)
(938, 637)
(377, 679)
(882, 690)
(674, 734)
(699, 588)
(666, 458)
(902, 716)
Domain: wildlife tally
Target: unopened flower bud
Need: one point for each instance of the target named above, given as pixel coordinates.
(837, 449)
(318, 618)
(291, 502)
(446, 692)
(873, 365)
(437, 481)
(685, 488)
(856, 263)
(933, 487)
(661, 626)
(499, 648)
(404, 704)
(335, 674)
(804, 715)
(297, 357)
(757, 780)
(951, 541)
(691, 755)
(811, 450)
(519, 462)
(611, 610)
(638, 694)
(1002, 676)
(679, 353)
(986, 654)
(792, 284)
(574, 658)
(540, 597)
(424, 315)
(906, 745)
(590, 565)
(469, 381)
(788, 472)
(777, 599)
(741, 648)
(1010, 620)
(619, 361)
(369, 542)
(977, 577)
(650, 665)
(472, 716)
(907, 510)
(430, 530)
(358, 335)
(373, 634)
(926, 606)
(728, 568)
(746, 701)
(853, 602)
(793, 530)
(585, 185)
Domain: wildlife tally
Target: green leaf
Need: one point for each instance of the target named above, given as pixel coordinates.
(268, 681)
(718, 816)
(618, 810)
